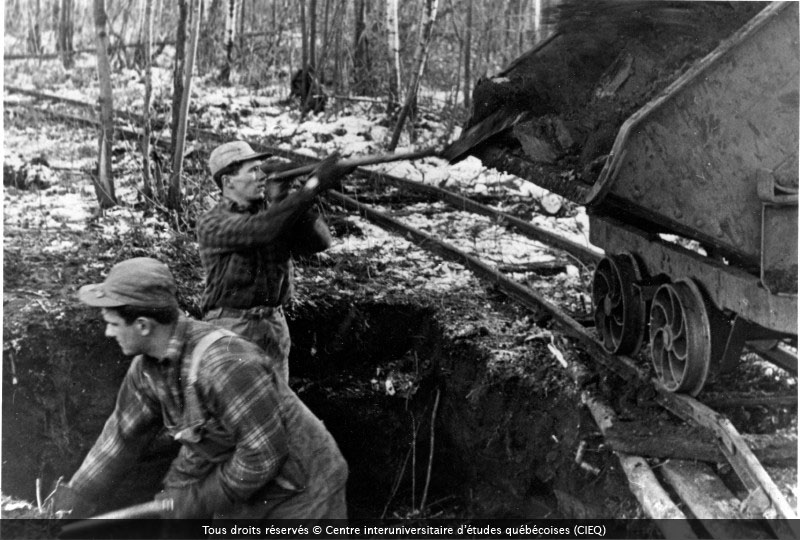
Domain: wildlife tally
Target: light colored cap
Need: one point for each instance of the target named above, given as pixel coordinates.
(232, 152)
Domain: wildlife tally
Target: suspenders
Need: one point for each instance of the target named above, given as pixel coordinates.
(193, 418)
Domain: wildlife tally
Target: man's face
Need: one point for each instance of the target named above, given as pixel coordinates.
(128, 336)
(247, 184)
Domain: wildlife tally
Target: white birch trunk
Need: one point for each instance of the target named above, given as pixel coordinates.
(420, 56)
(393, 36)
(148, 97)
(230, 30)
(104, 182)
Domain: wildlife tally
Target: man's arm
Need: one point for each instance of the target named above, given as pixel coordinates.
(233, 231)
(310, 235)
(243, 398)
(132, 425)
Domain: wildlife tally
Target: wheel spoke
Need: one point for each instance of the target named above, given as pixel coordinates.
(680, 346)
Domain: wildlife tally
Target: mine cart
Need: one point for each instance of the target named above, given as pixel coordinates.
(696, 209)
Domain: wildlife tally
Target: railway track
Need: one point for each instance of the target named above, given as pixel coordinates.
(764, 499)
(684, 489)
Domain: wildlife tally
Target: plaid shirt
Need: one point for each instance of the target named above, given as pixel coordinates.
(246, 252)
(244, 431)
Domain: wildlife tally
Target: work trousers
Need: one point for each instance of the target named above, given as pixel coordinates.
(266, 327)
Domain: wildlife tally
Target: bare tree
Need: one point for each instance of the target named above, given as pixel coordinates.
(303, 49)
(312, 34)
(523, 19)
(393, 36)
(174, 196)
(242, 16)
(178, 69)
(148, 97)
(206, 46)
(311, 83)
(420, 55)
(104, 181)
(338, 64)
(361, 64)
(230, 34)
(34, 32)
(65, 31)
(468, 58)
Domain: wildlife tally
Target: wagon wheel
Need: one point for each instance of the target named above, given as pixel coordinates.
(680, 337)
(619, 309)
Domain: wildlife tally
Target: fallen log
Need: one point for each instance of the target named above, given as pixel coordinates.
(691, 443)
(743, 399)
(693, 482)
(542, 268)
(655, 501)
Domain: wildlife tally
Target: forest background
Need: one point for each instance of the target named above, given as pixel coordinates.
(407, 57)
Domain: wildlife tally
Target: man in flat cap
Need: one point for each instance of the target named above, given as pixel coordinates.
(247, 242)
(249, 447)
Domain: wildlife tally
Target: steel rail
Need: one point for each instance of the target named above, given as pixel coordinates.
(764, 494)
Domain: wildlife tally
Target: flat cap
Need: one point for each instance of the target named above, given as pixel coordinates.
(140, 282)
(232, 152)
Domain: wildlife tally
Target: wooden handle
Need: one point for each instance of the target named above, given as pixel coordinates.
(148, 509)
(356, 162)
(140, 510)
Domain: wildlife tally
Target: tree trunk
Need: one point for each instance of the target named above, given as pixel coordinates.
(177, 161)
(360, 46)
(147, 187)
(523, 26)
(177, 74)
(174, 195)
(310, 76)
(303, 50)
(325, 33)
(241, 24)
(393, 35)
(104, 181)
(420, 55)
(312, 35)
(506, 43)
(34, 32)
(206, 51)
(65, 31)
(468, 59)
(337, 56)
(230, 34)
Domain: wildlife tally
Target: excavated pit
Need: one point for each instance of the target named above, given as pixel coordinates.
(503, 446)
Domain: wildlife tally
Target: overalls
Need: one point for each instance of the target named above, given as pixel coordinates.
(309, 485)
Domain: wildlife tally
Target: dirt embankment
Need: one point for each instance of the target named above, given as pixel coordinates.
(370, 364)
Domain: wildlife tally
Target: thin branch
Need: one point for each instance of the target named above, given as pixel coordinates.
(430, 452)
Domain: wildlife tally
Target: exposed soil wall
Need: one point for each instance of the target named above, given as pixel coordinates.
(504, 436)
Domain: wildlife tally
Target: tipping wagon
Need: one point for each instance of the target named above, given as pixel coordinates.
(696, 209)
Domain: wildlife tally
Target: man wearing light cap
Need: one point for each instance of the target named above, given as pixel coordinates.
(247, 242)
(249, 447)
